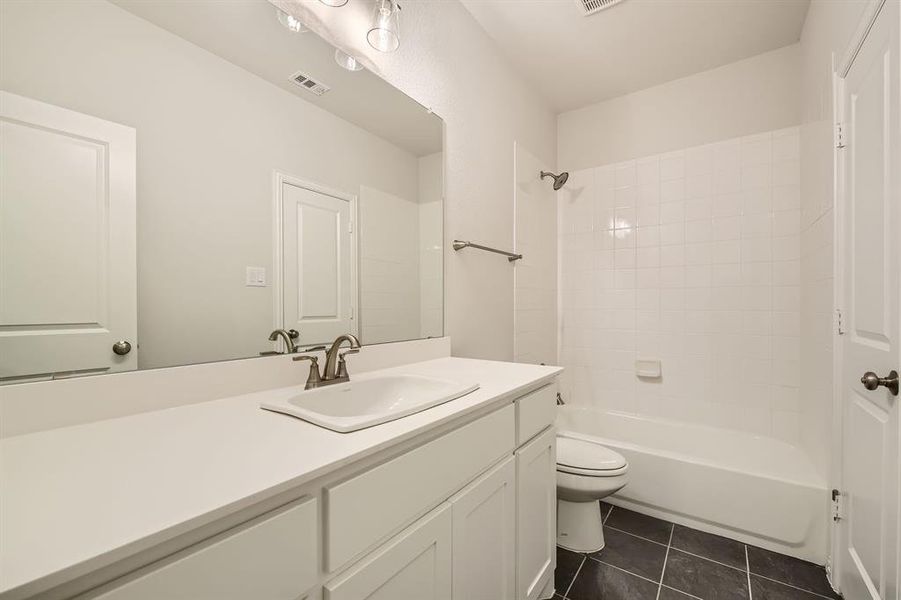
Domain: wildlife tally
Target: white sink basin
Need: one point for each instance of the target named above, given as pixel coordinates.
(366, 402)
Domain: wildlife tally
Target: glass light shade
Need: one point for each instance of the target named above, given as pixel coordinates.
(384, 35)
(347, 61)
(290, 22)
(334, 3)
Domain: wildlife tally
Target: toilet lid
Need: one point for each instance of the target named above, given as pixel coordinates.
(584, 455)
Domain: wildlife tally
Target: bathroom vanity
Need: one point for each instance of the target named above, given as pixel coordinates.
(221, 499)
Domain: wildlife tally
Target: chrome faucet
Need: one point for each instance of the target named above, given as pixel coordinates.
(288, 336)
(335, 370)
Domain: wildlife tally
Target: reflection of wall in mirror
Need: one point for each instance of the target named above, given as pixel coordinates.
(209, 135)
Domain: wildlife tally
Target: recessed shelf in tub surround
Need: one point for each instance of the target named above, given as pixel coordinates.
(132, 483)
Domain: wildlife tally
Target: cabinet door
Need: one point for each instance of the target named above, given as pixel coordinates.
(485, 536)
(536, 489)
(415, 564)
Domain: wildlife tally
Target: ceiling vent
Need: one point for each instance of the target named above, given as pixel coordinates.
(589, 7)
(309, 84)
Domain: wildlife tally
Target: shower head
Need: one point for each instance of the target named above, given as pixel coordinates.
(559, 180)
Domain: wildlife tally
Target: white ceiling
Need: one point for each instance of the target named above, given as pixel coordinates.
(247, 33)
(575, 60)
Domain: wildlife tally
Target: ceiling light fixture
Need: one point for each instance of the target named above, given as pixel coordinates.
(290, 22)
(334, 3)
(384, 35)
(347, 61)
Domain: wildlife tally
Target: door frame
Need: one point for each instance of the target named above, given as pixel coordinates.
(279, 180)
(840, 71)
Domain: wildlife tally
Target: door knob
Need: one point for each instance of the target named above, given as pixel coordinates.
(122, 347)
(871, 381)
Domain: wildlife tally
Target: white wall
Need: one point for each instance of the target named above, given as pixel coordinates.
(431, 251)
(535, 290)
(447, 62)
(209, 135)
(690, 257)
(827, 30)
(749, 96)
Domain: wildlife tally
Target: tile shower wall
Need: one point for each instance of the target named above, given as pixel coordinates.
(693, 258)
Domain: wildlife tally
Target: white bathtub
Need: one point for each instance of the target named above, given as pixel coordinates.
(755, 489)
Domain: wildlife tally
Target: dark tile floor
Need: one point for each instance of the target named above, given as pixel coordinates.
(650, 559)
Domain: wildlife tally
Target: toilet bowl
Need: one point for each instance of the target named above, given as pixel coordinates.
(586, 472)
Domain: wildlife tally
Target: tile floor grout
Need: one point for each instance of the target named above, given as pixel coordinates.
(666, 559)
(649, 580)
(794, 587)
(573, 580)
(748, 572)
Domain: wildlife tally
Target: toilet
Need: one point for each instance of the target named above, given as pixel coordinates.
(586, 472)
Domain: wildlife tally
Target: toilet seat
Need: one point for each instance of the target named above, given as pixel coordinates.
(581, 457)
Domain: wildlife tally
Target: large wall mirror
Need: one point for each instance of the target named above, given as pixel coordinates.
(179, 179)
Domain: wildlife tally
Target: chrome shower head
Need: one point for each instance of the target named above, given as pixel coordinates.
(559, 180)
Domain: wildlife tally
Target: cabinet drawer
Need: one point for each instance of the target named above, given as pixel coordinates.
(273, 557)
(367, 508)
(534, 412)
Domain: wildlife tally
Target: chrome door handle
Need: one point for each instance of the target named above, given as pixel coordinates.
(871, 381)
(122, 347)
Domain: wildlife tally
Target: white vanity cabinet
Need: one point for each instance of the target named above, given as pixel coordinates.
(465, 514)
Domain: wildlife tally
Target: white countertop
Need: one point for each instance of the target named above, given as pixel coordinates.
(79, 498)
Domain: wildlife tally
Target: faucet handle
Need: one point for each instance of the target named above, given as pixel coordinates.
(313, 379)
(313, 359)
(342, 365)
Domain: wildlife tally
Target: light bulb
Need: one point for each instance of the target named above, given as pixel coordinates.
(334, 3)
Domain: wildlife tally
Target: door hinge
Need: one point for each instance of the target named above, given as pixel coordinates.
(837, 506)
(350, 227)
(839, 136)
(839, 322)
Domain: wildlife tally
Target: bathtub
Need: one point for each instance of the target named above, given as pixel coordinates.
(756, 489)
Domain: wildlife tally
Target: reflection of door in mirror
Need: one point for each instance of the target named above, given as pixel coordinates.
(67, 242)
(318, 261)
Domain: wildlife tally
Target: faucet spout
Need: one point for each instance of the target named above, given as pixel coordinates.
(331, 357)
(289, 341)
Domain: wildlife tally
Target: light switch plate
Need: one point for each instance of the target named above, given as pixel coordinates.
(256, 277)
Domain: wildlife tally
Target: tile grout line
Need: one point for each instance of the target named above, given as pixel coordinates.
(748, 573)
(635, 535)
(669, 587)
(707, 559)
(794, 587)
(576, 574)
(621, 569)
(666, 558)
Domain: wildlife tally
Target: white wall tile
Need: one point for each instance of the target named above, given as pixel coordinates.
(695, 259)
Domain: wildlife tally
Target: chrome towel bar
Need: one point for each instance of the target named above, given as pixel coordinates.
(460, 244)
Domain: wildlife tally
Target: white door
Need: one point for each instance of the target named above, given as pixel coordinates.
(536, 515)
(318, 298)
(484, 552)
(414, 565)
(870, 221)
(67, 241)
